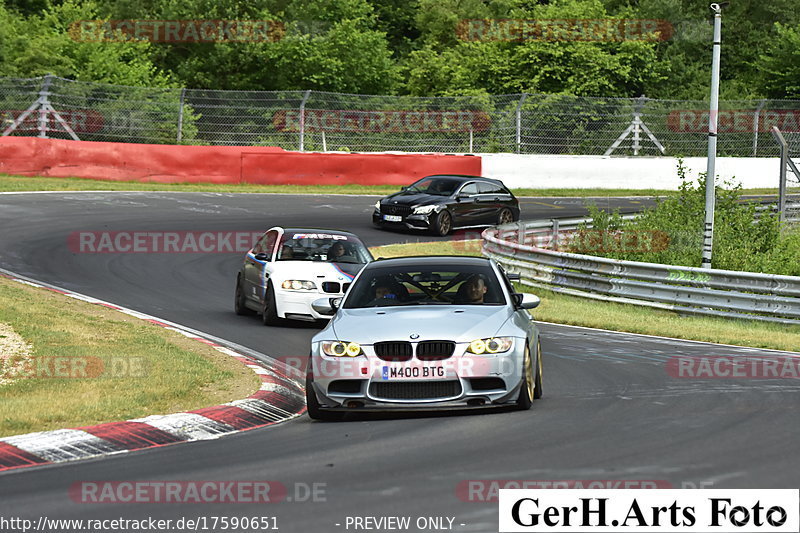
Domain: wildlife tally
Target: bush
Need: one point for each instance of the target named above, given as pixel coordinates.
(742, 240)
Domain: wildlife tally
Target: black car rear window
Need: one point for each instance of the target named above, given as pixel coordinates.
(486, 187)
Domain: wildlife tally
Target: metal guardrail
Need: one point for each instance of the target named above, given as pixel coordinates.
(525, 248)
(791, 210)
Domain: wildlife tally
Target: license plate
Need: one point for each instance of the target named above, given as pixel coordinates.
(415, 372)
(392, 218)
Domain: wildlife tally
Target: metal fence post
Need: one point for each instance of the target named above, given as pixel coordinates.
(756, 119)
(303, 120)
(713, 122)
(44, 107)
(44, 99)
(519, 121)
(180, 116)
(636, 127)
(776, 133)
(554, 237)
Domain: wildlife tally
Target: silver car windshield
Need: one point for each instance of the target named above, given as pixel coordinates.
(298, 246)
(444, 285)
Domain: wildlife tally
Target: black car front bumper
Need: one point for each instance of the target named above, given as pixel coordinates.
(420, 222)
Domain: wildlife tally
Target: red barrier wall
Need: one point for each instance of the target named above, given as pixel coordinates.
(31, 156)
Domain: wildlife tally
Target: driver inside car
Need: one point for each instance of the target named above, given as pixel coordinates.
(336, 251)
(472, 291)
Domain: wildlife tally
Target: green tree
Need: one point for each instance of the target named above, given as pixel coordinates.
(780, 64)
(488, 59)
(44, 43)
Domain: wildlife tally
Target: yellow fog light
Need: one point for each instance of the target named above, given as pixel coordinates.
(353, 349)
(477, 346)
(491, 345)
(341, 348)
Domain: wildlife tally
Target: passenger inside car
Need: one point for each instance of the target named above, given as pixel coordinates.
(287, 254)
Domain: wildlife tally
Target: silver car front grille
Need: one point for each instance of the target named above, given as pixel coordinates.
(415, 390)
(435, 350)
(393, 350)
(404, 350)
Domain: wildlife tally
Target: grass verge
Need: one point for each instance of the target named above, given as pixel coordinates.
(27, 183)
(564, 309)
(92, 365)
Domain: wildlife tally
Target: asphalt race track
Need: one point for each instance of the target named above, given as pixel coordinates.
(611, 411)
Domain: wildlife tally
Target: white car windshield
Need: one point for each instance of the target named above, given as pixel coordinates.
(311, 246)
(435, 285)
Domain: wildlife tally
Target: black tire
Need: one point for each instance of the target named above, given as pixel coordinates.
(505, 217)
(315, 412)
(525, 397)
(537, 390)
(442, 224)
(239, 306)
(269, 311)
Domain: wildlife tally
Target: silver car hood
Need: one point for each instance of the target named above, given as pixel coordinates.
(459, 323)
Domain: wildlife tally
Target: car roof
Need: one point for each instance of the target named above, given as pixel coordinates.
(317, 230)
(430, 260)
(466, 177)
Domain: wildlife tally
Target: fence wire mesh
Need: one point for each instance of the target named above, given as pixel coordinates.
(54, 107)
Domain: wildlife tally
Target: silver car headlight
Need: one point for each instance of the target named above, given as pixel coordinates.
(378, 205)
(299, 285)
(491, 345)
(341, 348)
(424, 209)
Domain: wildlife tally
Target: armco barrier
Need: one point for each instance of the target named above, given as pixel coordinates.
(722, 293)
(31, 156)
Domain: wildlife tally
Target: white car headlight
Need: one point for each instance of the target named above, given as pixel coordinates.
(299, 285)
(424, 209)
(341, 349)
(491, 345)
(378, 205)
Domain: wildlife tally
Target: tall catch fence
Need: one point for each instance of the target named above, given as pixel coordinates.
(55, 107)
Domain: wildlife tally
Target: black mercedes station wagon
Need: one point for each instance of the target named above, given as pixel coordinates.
(441, 203)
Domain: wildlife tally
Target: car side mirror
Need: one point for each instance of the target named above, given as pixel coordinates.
(526, 300)
(326, 306)
(261, 256)
(403, 188)
(513, 276)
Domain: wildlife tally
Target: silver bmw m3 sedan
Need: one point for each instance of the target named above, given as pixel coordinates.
(425, 332)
